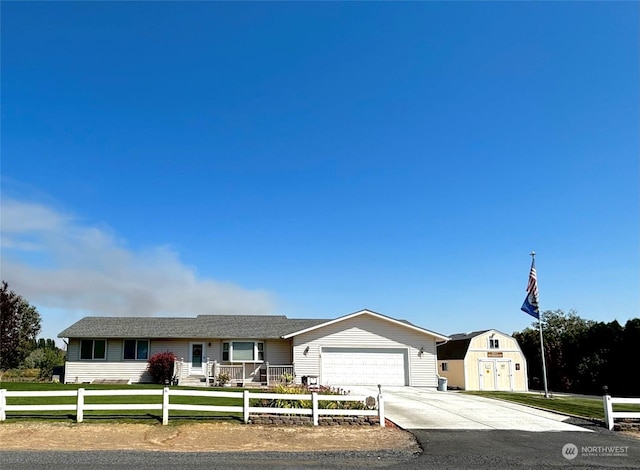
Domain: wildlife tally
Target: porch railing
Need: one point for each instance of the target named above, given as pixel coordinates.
(279, 373)
(236, 373)
(271, 374)
(179, 370)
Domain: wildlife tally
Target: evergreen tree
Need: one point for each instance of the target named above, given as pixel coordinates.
(19, 326)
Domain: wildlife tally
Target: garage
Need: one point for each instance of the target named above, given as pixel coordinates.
(364, 366)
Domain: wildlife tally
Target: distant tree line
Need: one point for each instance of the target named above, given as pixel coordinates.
(19, 327)
(583, 356)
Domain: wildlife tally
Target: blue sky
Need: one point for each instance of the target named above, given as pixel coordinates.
(314, 159)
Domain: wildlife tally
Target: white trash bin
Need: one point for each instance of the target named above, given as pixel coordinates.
(442, 384)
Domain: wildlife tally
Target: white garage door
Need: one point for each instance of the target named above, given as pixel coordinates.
(364, 366)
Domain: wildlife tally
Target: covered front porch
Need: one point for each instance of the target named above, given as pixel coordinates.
(247, 374)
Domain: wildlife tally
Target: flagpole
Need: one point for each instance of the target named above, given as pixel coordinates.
(544, 366)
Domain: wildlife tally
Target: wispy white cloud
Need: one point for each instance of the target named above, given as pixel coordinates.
(57, 262)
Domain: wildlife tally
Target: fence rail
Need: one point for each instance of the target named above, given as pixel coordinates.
(166, 393)
(610, 415)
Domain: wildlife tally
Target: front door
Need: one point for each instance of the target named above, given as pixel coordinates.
(195, 359)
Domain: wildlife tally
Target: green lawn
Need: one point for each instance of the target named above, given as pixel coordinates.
(121, 415)
(585, 407)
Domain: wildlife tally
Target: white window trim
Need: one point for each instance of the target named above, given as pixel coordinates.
(255, 350)
(493, 347)
(444, 366)
(136, 349)
(93, 349)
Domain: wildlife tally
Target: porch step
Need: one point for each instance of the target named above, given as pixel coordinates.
(194, 381)
(255, 385)
(111, 381)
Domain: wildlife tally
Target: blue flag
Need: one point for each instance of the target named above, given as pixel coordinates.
(530, 304)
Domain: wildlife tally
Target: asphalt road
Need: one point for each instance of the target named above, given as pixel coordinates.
(442, 449)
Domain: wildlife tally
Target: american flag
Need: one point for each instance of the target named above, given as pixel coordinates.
(530, 304)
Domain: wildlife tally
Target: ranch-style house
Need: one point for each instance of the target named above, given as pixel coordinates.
(361, 348)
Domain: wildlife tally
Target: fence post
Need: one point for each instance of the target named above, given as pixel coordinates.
(381, 409)
(245, 405)
(3, 404)
(608, 411)
(80, 406)
(165, 406)
(267, 366)
(314, 406)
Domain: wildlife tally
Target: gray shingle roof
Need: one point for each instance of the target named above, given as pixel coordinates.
(203, 326)
(473, 334)
(456, 347)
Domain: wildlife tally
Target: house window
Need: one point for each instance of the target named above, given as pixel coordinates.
(136, 349)
(494, 344)
(517, 366)
(444, 366)
(243, 351)
(93, 349)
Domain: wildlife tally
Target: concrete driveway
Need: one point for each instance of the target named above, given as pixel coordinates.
(417, 408)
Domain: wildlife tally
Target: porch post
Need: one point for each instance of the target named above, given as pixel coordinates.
(267, 365)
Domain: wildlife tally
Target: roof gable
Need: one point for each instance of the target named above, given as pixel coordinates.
(402, 323)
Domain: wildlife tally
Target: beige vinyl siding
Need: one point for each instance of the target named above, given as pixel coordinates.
(73, 350)
(179, 347)
(454, 374)
(278, 352)
(214, 352)
(114, 350)
(115, 367)
(87, 371)
(368, 331)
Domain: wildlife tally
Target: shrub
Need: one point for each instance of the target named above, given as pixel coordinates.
(302, 389)
(160, 366)
(44, 359)
(224, 378)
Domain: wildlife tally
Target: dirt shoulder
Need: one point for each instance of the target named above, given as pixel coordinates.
(202, 437)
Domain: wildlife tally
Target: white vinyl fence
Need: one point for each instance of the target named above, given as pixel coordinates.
(80, 406)
(610, 415)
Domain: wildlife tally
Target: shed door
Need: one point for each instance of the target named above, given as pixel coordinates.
(503, 378)
(487, 375)
(364, 366)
